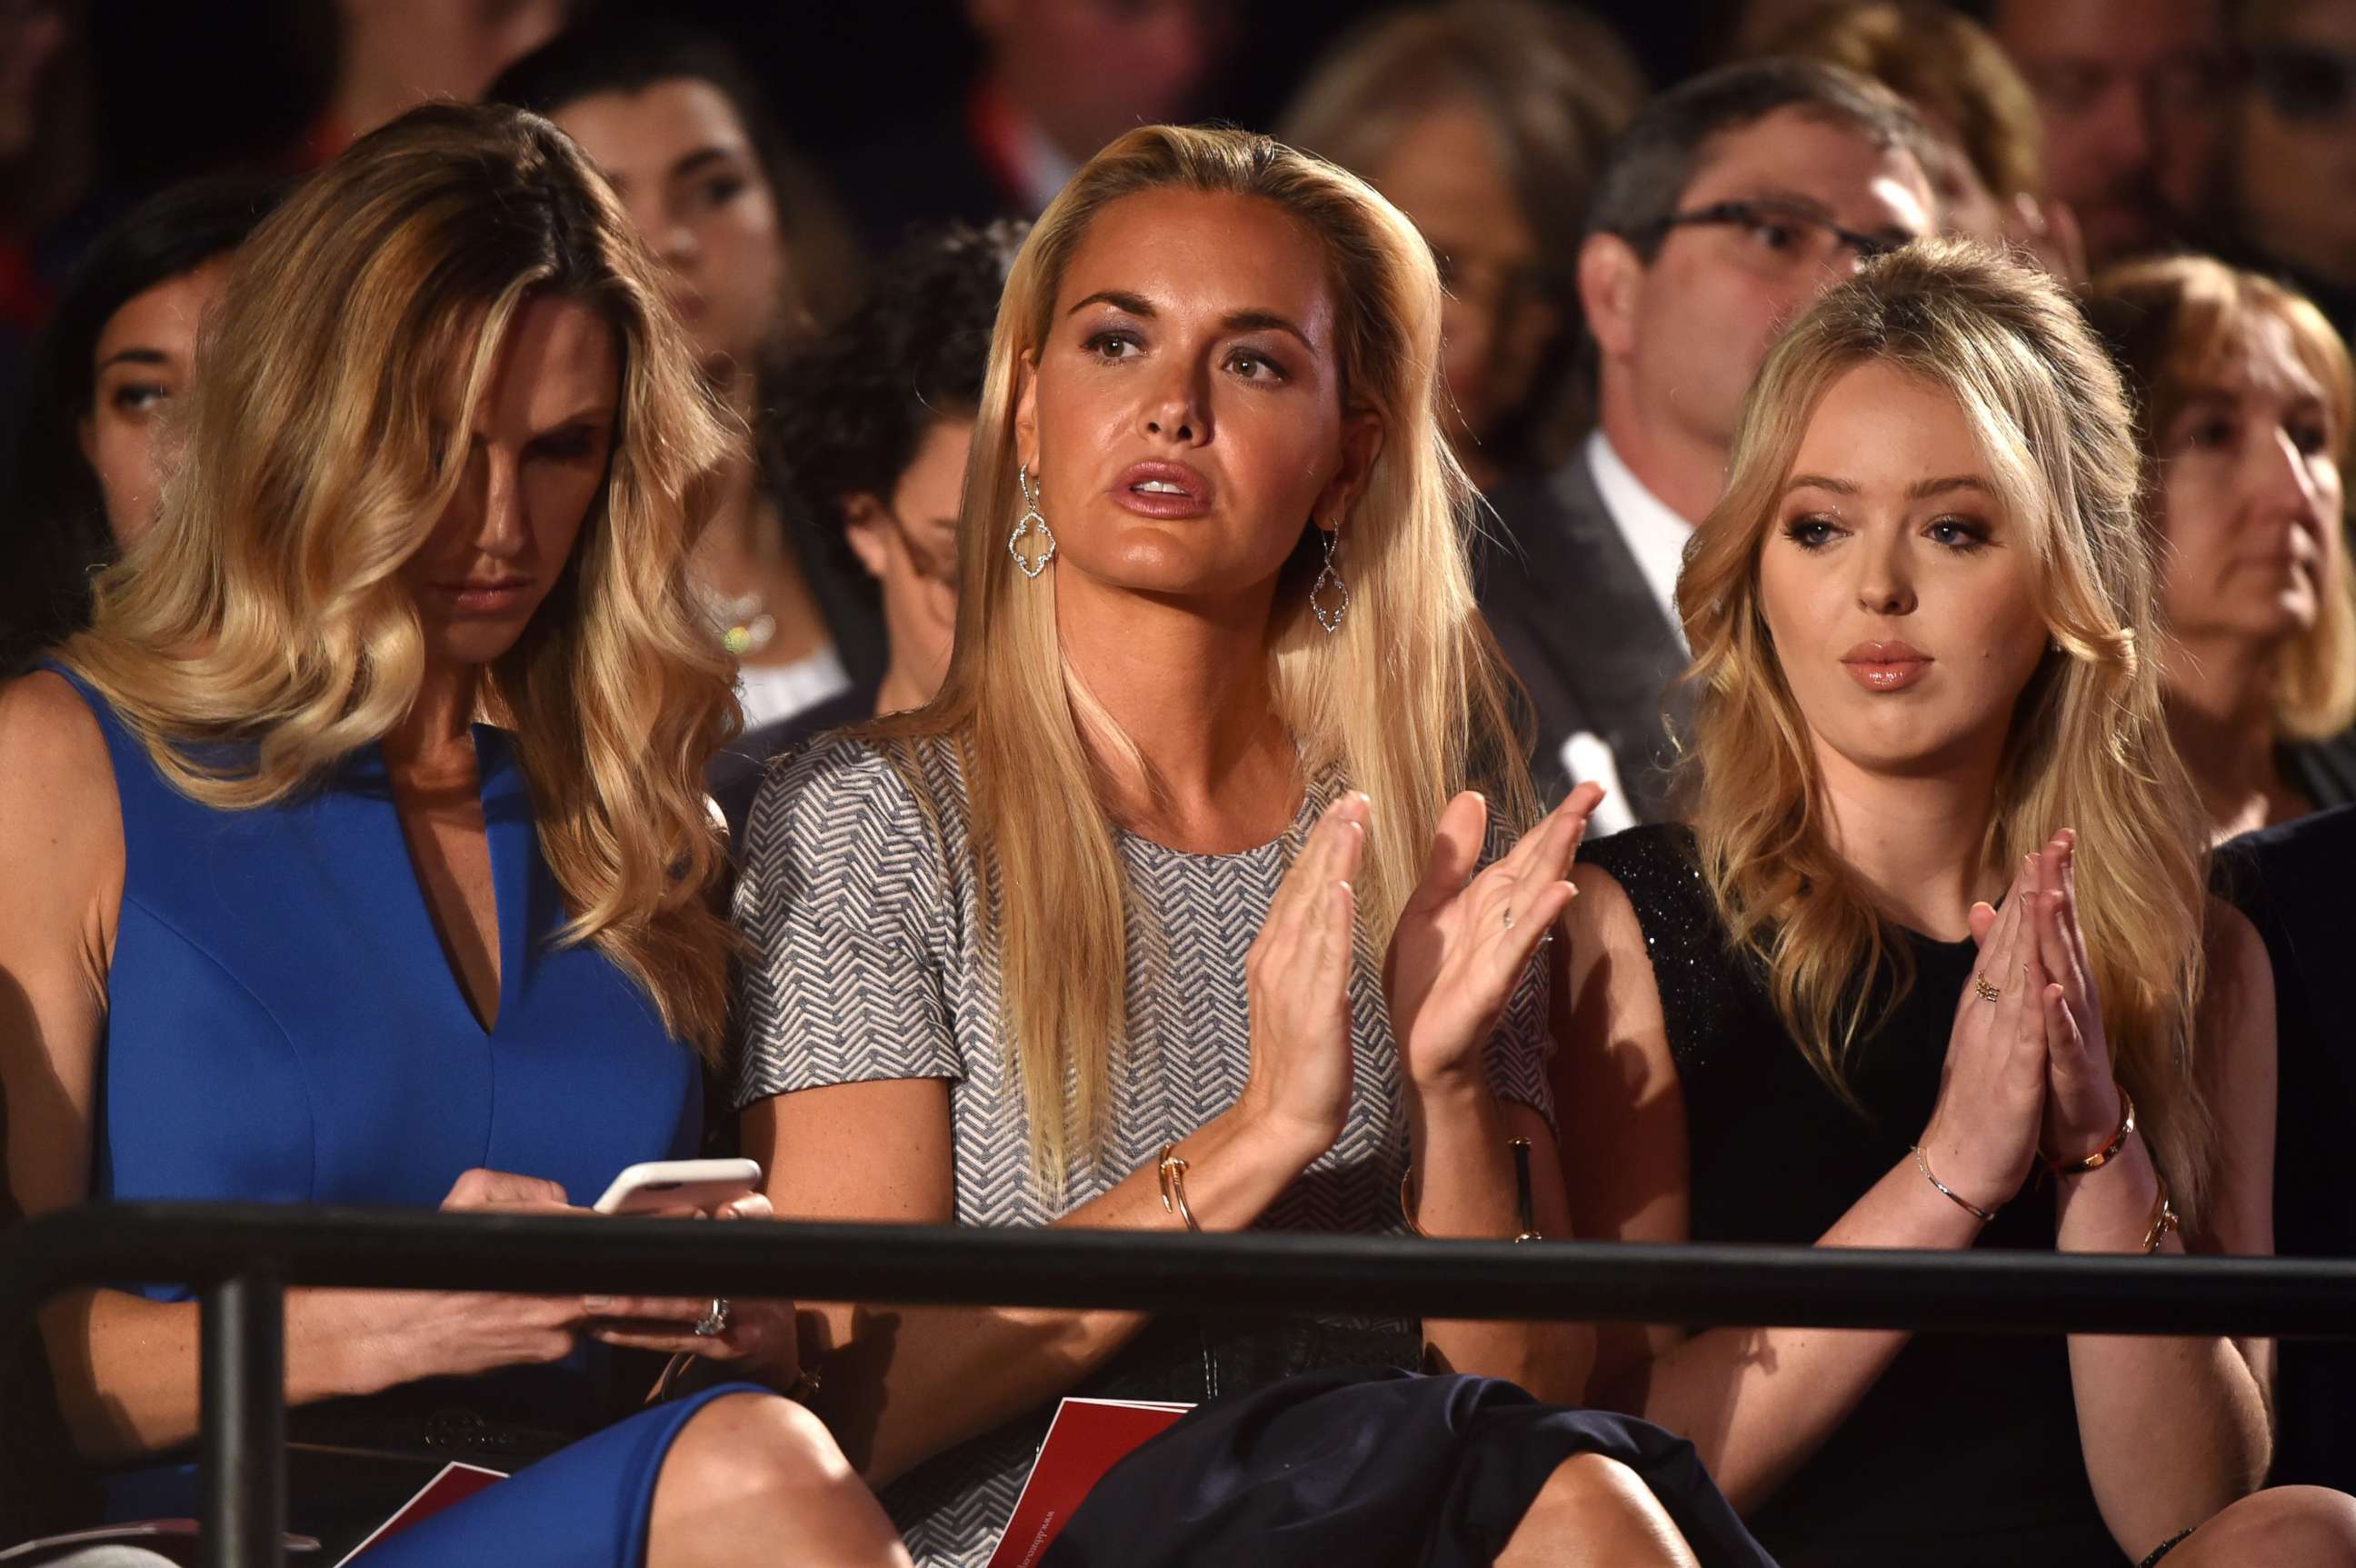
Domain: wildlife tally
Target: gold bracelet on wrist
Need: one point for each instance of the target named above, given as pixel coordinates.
(2163, 1218)
(1921, 1164)
(2108, 1151)
(1524, 1205)
(1173, 1173)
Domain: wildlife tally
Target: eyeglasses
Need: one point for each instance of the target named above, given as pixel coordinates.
(1779, 236)
(2301, 81)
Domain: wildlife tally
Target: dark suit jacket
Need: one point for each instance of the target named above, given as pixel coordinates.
(1580, 627)
(2293, 881)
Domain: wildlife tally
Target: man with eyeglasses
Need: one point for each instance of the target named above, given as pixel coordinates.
(1724, 210)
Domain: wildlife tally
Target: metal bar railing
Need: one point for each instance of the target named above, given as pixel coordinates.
(240, 1258)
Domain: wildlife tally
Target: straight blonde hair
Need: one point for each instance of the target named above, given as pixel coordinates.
(1408, 700)
(2172, 323)
(323, 445)
(2088, 747)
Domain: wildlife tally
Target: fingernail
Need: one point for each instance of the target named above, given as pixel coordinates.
(597, 1303)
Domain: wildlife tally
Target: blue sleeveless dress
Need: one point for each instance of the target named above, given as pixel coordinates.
(283, 1026)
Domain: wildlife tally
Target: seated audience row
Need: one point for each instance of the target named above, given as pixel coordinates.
(1200, 881)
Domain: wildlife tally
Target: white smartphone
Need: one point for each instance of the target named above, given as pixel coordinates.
(680, 1184)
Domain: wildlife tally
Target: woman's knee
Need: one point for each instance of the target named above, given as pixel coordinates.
(744, 1446)
(2297, 1527)
(1593, 1508)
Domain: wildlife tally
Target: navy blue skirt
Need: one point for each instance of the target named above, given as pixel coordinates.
(1374, 1469)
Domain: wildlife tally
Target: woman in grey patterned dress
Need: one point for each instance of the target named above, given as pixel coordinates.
(1182, 861)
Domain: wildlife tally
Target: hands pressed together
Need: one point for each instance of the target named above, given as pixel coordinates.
(389, 1338)
(2028, 1070)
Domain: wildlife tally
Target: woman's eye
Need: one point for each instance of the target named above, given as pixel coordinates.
(1254, 367)
(2209, 434)
(1957, 533)
(2311, 439)
(722, 189)
(567, 446)
(137, 398)
(1112, 346)
(1810, 532)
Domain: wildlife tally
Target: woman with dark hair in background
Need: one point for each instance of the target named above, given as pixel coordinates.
(1484, 122)
(870, 426)
(756, 258)
(2245, 400)
(118, 349)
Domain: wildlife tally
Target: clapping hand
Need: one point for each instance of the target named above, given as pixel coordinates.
(2082, 1094)
(1982, 1133)
(1464, 941)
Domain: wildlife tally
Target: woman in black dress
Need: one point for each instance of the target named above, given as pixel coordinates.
(1938, 921)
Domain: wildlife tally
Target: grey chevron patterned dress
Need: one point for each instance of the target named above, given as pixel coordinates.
(869, 965)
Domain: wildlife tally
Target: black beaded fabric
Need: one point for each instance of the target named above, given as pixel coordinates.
(1965, 1450)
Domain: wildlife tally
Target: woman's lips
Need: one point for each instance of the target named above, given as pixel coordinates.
(1885, 666)
(485, 599)
(1163, 490)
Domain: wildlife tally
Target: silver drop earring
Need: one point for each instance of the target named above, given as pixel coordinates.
(1031, 520)
(1331, 620)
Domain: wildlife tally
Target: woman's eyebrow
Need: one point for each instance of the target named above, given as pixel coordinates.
(133, 356)
(1127, 304)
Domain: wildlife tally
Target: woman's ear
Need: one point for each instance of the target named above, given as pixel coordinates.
(1362, 444)
(1026, 410)
(868, 531)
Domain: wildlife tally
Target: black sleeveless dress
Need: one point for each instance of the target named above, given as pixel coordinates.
(1965, 1450)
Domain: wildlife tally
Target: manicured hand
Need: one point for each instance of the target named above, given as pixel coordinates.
(1464, 941)
(1296, 985)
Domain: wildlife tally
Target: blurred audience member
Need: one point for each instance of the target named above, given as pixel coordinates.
(392, 55)
(2137, 97)
(1988, 153)
(1059, 78)
(1729, 202)
(49, 159)
(116, 353)
(2292, 880)
(2246, 405)
(871, 424)
(2294, 180)
(754, 257)
(1482, 122)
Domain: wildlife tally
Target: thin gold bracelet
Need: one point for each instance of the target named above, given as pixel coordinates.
(2108, 1151)
(1173, 1172)
(1921, 1164)
(1523, 1202)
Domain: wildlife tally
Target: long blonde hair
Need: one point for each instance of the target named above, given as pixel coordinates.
(2172, 322)
(324, 443)
(1407, 700)
(2088, 746)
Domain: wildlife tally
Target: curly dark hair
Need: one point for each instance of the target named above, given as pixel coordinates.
(849, 411)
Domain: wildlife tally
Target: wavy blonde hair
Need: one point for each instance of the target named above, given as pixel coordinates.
(324, 443)
(2172, 323)
(2088, 746)
(1408, 700)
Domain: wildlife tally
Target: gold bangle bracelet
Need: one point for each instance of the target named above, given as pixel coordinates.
(1173, 1173)
(2163, 1219)
(2108, 1151)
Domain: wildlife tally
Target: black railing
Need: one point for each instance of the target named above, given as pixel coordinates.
(240, 1258)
